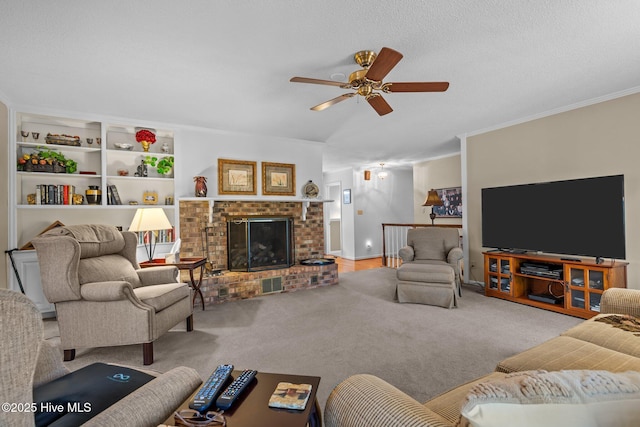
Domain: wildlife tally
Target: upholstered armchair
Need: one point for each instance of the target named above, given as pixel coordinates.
(434, 245)
(102, 296)
(29, 361)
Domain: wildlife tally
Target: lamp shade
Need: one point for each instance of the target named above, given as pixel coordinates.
(150, 219)
(433, 199)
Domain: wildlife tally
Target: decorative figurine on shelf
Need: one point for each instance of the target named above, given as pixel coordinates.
(201, 186)
(141, 169)
(145, 137)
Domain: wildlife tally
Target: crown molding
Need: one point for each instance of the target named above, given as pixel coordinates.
(575, 106)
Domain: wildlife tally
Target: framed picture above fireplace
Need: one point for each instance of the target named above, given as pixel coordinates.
(278, 179)
(236, 177)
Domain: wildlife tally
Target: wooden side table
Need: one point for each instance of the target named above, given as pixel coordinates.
(184, 264)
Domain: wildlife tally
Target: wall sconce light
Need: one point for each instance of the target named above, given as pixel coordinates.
(382, 174)
(367, 175)
(433, 200)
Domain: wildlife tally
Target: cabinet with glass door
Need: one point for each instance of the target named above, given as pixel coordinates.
(585, 286)
(498, 275)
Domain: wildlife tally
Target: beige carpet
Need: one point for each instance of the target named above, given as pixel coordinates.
(353, 327)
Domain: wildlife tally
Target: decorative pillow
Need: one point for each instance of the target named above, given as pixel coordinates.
(581, 398)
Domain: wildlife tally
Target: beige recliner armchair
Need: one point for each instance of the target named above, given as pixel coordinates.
(29, 361)
(102, 297)
(431, 266)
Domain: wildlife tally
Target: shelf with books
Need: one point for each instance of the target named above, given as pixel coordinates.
(161, 236)
(71, 207)
(30, 185)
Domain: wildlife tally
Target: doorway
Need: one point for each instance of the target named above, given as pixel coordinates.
(333, 220)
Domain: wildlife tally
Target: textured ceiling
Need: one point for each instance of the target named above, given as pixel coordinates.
(226, 64)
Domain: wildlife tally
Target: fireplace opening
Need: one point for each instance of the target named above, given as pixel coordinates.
(259, 243)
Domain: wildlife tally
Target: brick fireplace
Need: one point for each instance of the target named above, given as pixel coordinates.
(196, 233)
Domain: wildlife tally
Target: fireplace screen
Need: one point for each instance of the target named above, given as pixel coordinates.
(259, 243)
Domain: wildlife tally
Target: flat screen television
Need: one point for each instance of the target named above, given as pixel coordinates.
(583, 217)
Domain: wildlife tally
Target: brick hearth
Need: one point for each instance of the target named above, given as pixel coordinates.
(309, 243)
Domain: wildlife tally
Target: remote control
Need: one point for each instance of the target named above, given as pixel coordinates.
(235, 389)
(211, 388)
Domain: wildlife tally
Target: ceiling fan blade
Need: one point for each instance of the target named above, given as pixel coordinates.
(416, 87)
(316, 81)
(385, 61)
(379, 104)
(333, 101)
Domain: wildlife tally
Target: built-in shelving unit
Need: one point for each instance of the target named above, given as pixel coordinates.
(100, 163)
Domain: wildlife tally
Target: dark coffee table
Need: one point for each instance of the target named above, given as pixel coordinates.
(252, 408)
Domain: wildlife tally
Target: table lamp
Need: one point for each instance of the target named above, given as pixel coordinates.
(150, 220)
(433, 200)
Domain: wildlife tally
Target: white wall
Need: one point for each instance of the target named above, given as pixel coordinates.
(198, 150)
(381, 201)
(372, 203)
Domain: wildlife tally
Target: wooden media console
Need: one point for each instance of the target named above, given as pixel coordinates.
(565, 285)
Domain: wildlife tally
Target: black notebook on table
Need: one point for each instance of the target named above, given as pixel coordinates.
(75, 398)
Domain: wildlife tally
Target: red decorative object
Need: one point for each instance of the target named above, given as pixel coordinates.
(146, 135)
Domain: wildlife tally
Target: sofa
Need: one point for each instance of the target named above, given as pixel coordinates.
(29, 362)
(594, 363)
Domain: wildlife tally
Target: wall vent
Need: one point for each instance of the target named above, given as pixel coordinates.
(271, 285)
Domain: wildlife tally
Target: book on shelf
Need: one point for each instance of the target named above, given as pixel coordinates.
(114, 195)
(109, 195)
(49, 194)
(161, 236)
(290, 396)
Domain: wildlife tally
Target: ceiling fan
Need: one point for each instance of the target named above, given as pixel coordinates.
(367, 82)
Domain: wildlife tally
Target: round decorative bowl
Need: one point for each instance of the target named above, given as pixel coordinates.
(127, 147)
